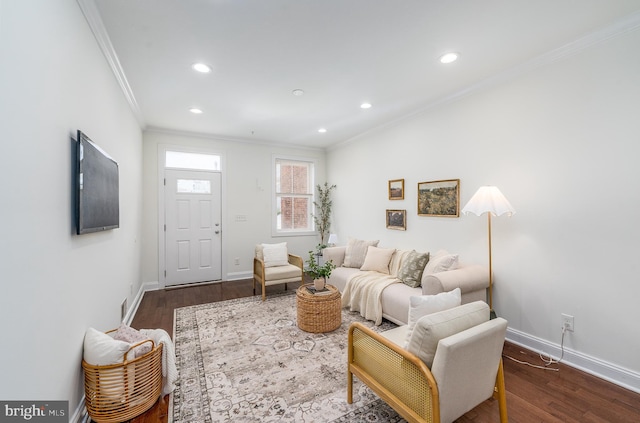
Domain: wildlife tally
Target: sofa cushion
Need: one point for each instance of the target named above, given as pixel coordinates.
(378, 259)
(275, 254)
(412, 267)
(432, 328)
(441, 262)
(356, 252)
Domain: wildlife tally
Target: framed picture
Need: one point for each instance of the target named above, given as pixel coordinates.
(396, 189)
(397, 219)
(439, 198)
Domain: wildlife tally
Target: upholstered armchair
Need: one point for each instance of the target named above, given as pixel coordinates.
(273, 265)
(452, 363)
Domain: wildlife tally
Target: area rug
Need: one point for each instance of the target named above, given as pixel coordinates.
(245, 360)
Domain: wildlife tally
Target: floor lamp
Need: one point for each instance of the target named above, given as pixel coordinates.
(489, 200)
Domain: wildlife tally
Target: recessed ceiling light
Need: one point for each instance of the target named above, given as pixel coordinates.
(297, 92)
(201, 67)
(322, 130)
(449, 57)
(365, 106)
(195, 111)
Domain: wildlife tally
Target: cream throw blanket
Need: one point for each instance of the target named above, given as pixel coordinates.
(169, 370)
(362, 293)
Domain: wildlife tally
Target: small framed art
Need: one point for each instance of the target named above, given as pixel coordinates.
(397, 219)
(439, 198)
(396, 189)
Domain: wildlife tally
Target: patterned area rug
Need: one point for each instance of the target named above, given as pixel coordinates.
(246, 360)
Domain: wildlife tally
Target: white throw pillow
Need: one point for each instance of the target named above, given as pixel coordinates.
(275, 254)
(378, 259)
(423, 305)
(441, 262)
(356, 251)
(432, 328)
(100, 349)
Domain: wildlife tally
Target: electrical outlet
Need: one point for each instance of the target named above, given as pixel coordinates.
(237, 261)
(567, 322)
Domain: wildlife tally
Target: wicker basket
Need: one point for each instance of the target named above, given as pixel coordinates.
(120, 392)
(318, 313)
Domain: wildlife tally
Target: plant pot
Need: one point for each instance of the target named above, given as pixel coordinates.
(318, 284)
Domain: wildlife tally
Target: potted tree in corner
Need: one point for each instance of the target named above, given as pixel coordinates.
(318, 272)
(322, 218)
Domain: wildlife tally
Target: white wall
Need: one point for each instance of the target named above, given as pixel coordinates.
(561, 143)
(247, 191)
(54, 80)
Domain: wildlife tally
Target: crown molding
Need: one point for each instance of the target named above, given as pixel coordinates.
(92, 15)
(209, 136)
(620, 27)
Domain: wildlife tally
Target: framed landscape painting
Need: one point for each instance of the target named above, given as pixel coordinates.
(396, 189)
(397, 219)
(439, 198)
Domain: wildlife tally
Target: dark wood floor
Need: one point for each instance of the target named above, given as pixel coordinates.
(533, 395)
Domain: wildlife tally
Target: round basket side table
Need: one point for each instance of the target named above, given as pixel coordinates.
(318, 313)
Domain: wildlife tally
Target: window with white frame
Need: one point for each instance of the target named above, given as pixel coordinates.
(293, 196)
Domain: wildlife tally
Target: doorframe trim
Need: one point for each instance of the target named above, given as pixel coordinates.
(162, 149)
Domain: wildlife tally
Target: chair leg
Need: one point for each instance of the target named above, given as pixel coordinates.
(264, 291)
(285, 286)
(502, 396)
(349, 387)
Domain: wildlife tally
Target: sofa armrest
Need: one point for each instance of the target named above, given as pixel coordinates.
(335, 254)
(468, 278)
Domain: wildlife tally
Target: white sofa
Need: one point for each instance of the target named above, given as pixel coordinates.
(472, 279)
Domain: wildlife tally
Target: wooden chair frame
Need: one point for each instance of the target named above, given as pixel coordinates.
(259, 274)
(412, 391)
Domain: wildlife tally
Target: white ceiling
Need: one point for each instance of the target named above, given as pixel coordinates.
(340, 52)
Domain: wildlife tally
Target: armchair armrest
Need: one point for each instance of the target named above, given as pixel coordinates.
(258, 268)
(296, 261)
(399, 377)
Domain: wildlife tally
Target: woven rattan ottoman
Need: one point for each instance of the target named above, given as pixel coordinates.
(319, 312)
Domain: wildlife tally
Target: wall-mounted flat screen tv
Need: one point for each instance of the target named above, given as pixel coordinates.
(98, 206)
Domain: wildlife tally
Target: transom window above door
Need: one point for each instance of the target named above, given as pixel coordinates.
(193, 161)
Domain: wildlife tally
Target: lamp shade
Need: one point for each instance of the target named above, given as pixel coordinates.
(488, 199)
(333, 239)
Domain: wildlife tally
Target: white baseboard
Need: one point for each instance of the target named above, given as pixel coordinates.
(147, 286)
(236, 276)
(594, 366)
(80, 415)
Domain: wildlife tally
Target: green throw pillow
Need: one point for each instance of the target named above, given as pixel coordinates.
(412, 267)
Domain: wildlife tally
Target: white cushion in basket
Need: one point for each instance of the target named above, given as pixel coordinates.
(133, 336)
(378, 259)
(432, 328)
(100, 349)
(422, 305)
(275, 254)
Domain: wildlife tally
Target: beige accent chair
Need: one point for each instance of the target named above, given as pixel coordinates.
(456, 364)
(275, 275)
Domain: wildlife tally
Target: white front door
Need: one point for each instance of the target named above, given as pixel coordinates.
(193, 239)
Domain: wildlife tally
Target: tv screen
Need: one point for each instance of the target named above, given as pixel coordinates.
(98, 206)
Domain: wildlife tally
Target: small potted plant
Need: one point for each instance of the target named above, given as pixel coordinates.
(318, 272)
